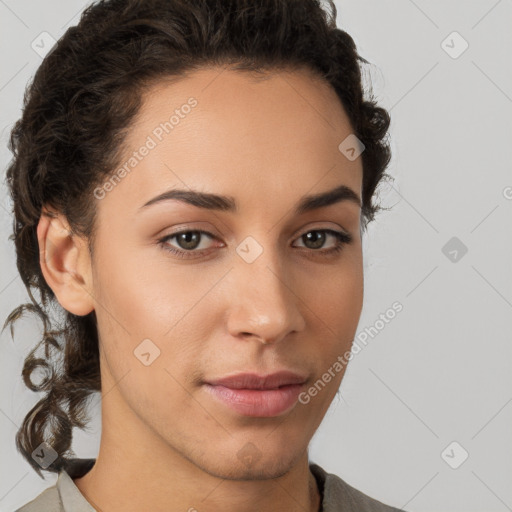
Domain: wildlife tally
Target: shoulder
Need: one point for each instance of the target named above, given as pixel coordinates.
(47, 501)
(339, 495)
(63, 496)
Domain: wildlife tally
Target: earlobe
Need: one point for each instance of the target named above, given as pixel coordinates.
(65, 263)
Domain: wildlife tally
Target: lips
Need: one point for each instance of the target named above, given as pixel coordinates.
(255, 381)
(255, 395)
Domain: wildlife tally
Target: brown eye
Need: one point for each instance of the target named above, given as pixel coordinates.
(315, 239)
(187, 241)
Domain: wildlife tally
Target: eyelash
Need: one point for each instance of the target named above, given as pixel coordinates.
(342, 239)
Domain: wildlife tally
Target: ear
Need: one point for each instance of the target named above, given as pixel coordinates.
(65, 263)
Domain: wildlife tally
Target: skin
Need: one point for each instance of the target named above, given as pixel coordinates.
(266, 143)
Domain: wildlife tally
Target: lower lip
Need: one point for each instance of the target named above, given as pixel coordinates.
(253, 402)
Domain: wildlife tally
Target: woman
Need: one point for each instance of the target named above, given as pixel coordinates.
(191, 181)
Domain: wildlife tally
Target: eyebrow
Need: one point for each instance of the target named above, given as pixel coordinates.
(217, 202)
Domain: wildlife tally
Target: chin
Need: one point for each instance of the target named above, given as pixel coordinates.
(263, 467)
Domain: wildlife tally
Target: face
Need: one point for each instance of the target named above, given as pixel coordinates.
(251, 284)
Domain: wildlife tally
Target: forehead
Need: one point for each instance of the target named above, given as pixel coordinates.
(219, 130)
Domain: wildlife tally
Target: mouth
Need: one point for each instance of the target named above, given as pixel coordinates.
(255, 395)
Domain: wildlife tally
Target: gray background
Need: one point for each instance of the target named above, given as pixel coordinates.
(440, 371)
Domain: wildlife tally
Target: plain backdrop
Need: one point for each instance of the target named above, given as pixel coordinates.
(423, 421)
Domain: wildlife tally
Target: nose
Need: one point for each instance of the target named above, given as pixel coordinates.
(265, 305)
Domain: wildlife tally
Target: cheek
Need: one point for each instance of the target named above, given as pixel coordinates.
(150, 312)
(336, 306)
(147, 339)
(146, 295)
(337, 297)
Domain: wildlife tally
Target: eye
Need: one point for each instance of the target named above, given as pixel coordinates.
(189, 241)
(316, 238)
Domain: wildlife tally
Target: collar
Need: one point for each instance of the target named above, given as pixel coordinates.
(72, 499)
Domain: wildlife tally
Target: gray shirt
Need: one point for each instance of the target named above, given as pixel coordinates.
(64, 495)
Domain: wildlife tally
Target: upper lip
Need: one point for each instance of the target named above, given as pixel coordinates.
(255, 381)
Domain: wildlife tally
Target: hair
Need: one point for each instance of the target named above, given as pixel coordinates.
(76, 113)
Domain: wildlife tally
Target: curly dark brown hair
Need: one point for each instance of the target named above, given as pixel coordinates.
(76, 113)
